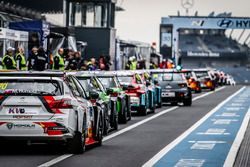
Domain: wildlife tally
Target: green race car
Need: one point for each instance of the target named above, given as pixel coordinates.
(92, 84)
(112, 85)
(141, 97)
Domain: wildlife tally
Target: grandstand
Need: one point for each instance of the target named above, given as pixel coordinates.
(211, 48)
(207, 47)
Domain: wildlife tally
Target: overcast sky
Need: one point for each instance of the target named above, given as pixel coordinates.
(141, 18)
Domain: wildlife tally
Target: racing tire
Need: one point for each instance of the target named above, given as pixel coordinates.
(153, 109)
(76, 145)
(129, 114)
(174, 103)
(212, 89)
(99, 136)
(187, 102)
(198, 91)
(116, 122)
(124, 115)
(143, 111)
(159, 105)
(105, 125)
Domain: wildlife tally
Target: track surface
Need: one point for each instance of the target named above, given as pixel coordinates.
(132, 148)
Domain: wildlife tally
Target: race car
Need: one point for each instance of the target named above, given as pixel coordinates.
(192, 80)
(92, 84)
(142, 101)
(205, 79)
(153, 86)
(112, 85)
(174, 87)
(47, 106)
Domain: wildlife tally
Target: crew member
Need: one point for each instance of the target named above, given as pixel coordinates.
(20, 60)
(8, 61)
(153, 65)
(58, 62)
(72, 63)
(41, 62)
(32, 58)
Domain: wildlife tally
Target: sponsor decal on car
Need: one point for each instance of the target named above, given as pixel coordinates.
(16, 111)
(11, 126)
(3, 86)
(22, 116)
(21, 111)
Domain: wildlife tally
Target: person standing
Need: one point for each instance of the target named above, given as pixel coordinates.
(153, 65)
(92, 65)
(133, 63)
(8, 61)
(58, 60)
(102, 63)
(163, 64)
(72, 63)
(41, 62)
(79, 60)
(32, 58)
(20, 60)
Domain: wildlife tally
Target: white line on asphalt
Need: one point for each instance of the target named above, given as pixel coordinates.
(63, 157)
(170, 146)
(152, 117)
(56, 160)
(229, 162)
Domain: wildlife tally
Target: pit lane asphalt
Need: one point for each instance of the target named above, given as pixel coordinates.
(132, 148)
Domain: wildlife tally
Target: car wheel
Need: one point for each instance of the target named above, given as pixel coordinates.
(76, 145)
(105, 125)
(198, 91)
(174, 103)
(116, 122)
(212, 89)
(100, 132)
(153, 108)
(143, 110)
(187, 102)
(124, 115)
(159, 105)
(128, 109)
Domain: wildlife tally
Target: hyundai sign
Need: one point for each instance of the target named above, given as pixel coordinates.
(207, 22)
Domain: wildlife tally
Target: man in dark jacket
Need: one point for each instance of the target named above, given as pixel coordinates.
(32, 58)
(41, 62)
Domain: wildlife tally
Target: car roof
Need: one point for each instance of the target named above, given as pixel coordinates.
(165, 71)
(200, 70)
(26, 78)
(55, 75)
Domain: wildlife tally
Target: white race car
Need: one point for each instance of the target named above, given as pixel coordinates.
(46, 107)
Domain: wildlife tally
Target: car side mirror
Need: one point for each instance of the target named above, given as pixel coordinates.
(93, 95)
(109, 91)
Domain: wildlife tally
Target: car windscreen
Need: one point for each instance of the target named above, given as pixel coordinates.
(108, 82)
(170, 77)
(130, 79)
(125, 79)
(31, 87)
(89, 84)
(187, 74)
